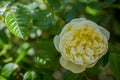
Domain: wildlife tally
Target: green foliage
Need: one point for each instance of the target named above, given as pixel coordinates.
(43, 18)
(46, 57)
(15, 27)
(31, 75)
(115, 64)
(2, 78)
(3, 36)
(33, 5)
(94, 70)
(18, 21)
(31, 55)
(108, 2)
(22, 52)
(8, 69)
(104, 60)
(21, 56)
(69, 76)
(54, 4)
(117, 28)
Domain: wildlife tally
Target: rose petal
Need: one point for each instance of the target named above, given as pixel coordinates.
(91, 65)
(73, 22)
(78, 19)
(56, 42)
(64, 29)
(105, 32)
(71, 66)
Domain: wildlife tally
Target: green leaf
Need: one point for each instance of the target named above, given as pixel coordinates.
(2, 78)
(70, 15)
(87, 1)
(48, 77)
(18, 21)
(104, 60)
(94, 70)
(23, 11)
(79, 7)
(112, 48)
(43, 18)
(3, 36)
(115, 64)
(116, 28)
(70, 76)
(21, 56)
(14, 26)
(22, 51)
(49, 42)
(8, 69)
(3, 7)
(107, 3)
(47, 56)
(33, 5)
(54, 4)
(31, 75)
(46, 59)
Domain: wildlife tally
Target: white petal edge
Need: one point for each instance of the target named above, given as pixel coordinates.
(56, 42)
(71, 66)
(105, 32)
(75, 22)
(78, 19)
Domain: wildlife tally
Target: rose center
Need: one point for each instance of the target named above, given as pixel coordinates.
(83, 45)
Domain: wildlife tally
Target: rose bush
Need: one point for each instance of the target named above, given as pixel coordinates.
(81, 43)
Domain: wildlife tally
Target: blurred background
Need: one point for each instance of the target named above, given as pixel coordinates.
(30, 54)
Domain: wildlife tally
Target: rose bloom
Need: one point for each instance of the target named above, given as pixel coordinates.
(81, 43)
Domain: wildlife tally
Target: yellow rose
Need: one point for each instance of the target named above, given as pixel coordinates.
(81, 43)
